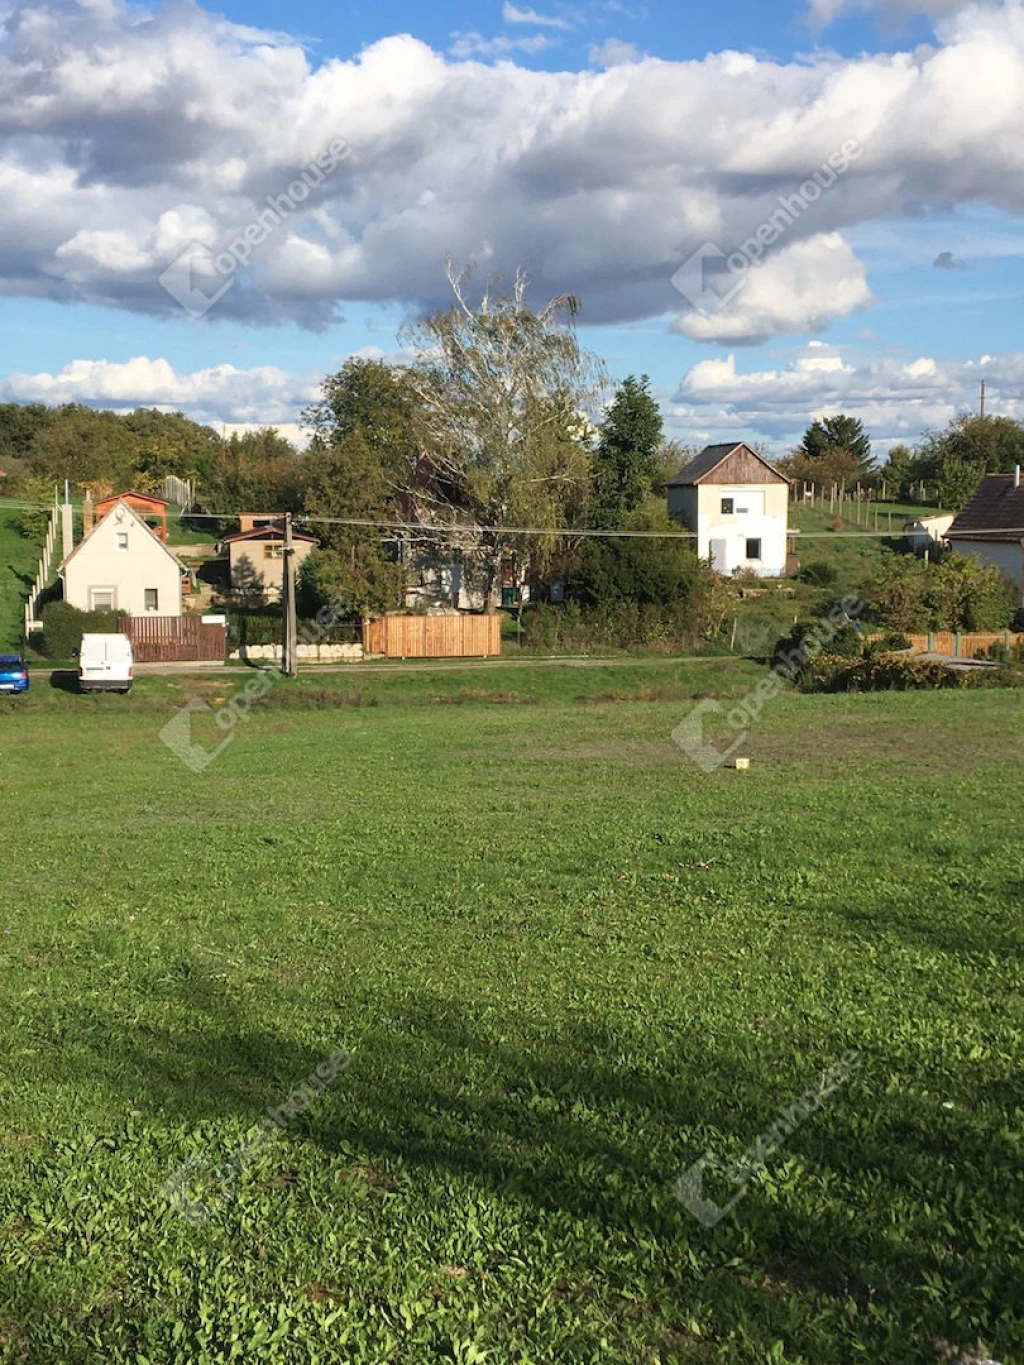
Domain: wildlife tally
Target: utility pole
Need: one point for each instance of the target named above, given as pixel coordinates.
(289, 648)
(981, 411)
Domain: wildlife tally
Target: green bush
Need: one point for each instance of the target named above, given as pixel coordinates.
(819, 573)
(620, 626)
(847, 643)
(810, 639)
(1007, 675)
(880, 673)
(996, 653)
(64, 626)
(958, 593)
(266, 628)
(661, 571)
(888, 644)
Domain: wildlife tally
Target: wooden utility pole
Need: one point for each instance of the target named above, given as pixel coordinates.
(981, 410)
(289, 647)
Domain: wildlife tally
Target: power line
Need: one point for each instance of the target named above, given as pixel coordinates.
(473, 528)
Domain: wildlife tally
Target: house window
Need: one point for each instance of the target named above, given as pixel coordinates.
(727, 506)
(753, 549)
(101, 599)
(122, 542)
(152, 599)
(273, 552)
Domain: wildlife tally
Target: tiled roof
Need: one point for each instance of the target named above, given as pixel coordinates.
(996, 512)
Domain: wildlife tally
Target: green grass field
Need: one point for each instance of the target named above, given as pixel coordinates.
(19, 559)
(564, 963)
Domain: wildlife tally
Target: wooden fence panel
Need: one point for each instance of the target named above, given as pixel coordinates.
(971, 644)
(173, 639)
(945, 641)
(433, 637)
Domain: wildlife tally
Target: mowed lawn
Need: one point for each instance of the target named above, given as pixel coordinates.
(564, 963)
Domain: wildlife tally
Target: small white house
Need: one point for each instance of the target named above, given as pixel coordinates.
(739, 506)
(123, 565)
(991, 527)
(925, 533)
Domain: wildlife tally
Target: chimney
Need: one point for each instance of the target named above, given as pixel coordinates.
(1016, 476)
(87, 513)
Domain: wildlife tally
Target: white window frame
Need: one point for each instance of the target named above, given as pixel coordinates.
(145, 603)
(94, 606)
(759, 542)
(119, 537)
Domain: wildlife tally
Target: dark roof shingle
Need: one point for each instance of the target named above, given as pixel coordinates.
(996, 512)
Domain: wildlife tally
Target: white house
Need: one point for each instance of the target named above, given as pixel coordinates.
(739, 506)
(123, 565)
(991, 526)
(925, 533)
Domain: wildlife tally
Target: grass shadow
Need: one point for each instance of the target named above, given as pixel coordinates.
(65, 680)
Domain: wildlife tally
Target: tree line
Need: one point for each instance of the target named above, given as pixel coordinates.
(836, 452)
(497, 424)
(497, 429)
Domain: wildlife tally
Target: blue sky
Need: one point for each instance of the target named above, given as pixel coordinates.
(598, 144)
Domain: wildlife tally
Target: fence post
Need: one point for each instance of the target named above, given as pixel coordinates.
(956, 645)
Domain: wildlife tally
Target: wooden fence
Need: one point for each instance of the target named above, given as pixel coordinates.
(169, 639)
(181, 491)
(961, 645)
(42, 579)
(433, 637)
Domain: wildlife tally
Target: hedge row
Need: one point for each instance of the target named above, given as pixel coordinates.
(64, 626)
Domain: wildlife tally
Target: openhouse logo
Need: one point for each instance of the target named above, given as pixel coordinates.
(710, 278)
(199, 277)
(689, 734)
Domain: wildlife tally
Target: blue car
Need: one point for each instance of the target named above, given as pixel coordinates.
(13, 673)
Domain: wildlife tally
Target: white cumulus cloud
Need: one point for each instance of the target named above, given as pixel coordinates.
(222, 394)
(126, 134)
(800, 288)
(896, 399)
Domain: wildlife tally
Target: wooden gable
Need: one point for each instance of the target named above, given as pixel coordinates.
(742, 466)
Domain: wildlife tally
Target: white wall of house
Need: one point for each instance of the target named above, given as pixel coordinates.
(1006, 556)
(742, 527)
(924, 532)
(257, 566)
(123, 566)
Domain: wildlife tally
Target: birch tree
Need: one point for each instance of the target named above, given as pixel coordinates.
(504, 395)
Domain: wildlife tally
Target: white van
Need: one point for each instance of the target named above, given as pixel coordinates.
(106, 664)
